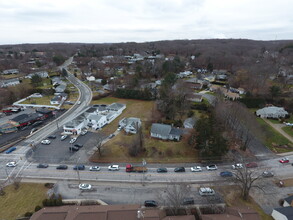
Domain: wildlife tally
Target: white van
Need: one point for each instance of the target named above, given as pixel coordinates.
(206, 191)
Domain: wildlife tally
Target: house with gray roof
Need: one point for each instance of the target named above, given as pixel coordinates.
(96, 121)
(272, 112)
(42, 74)
(9, 82)
(61, 88)
(116, 107)
(165, 132)
(76, 125)
(130, 125)
(189, 123)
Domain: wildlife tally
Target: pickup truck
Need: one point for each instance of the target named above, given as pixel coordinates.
(138, 169)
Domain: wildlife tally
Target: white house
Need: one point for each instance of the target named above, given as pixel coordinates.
(90, 78)
(10, 71)
(75, 126)
(272, 112)
(9, 82)
(96, 121)
(189, 123)
(42, 74)
(130, 125)
(116, 107)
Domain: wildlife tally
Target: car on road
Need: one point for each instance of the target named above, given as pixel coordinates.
(72, 140)
(73, 148)
(78, 145)
(267, 174)
(111, 136)
(83, 132)
(284, 160)
(212, 167)
(237, 166)
(42, 165)
(162, 170)
(196, 169)
(206, 191)
(251, 165)
(226, 174)
(8, 151)
(11, 164)
(33, 130)
(113, 167)
(79, 102)
(63, 137)
(188, 201)
(95, 168)
(179, 169)
(84, 186)
(52, 137)
(45, 142)
(79, 167)
(62, 167)
(150, 203)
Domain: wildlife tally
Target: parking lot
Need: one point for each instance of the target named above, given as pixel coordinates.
(58, 151)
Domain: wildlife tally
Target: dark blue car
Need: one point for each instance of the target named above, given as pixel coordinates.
(10, 150)
(226, 174)
(79, 167)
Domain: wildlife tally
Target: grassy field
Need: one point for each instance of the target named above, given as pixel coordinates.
(288, 130)
(274, 138)
(45, 100)
(156, 151)
(16, 203)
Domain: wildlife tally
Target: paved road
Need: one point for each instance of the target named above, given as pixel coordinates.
(278, 128)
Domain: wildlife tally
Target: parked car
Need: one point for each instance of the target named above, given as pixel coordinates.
(188, 201)
(226, 174)
(212, 167)
(79, 102)
(37, 123)
(72, 140)
(179, 169)
(83, 132)
(84, 186)
(267, 174)
(62, 167)
(284, 160)
(206, 191)
(251, 165)
(11, 164)
(73, 148)
(52, 137)
(79, 167)
(237, 166)
(150, 203)
(42, 165)
(9, 150)
(162, 170)
(196, 169)
(113, 167)
(95, 168)
(63, 137)
(111, 136)
(45, 142)
(78, 145)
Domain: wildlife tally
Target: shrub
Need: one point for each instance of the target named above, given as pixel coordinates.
(49, 185)
(28, 214)
(190, 114)
(37, 208)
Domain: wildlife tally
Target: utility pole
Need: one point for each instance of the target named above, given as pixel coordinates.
(144, 163)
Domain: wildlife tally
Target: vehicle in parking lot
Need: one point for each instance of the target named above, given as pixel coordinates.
(63, 137)
(226, 174)
(11, 164)
(45, 141)
(111, 136)
(52, 137)
(78, 145)
(284, 160)
(251, 165)
(95, 168)
(79, 167)
(196, 169)
(73, 148)
(162, 170)
(206, 191)
(9, 150)
(179, 169)
(42, 165)
(188, 201)
(237, 166)
(84, 186)
(113, 167)
(72, 140)
(62, 167)
(150, 203)
(83, 132)
(37, 123)
(267, 174)
(212, 167)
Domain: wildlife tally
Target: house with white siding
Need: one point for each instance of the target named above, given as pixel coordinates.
(130, 125)
(272, 112)
(96, 121)
(75, 126)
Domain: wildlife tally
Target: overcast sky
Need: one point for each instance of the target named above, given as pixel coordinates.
(99, 21)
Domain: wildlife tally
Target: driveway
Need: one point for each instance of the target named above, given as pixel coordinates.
(278, 128)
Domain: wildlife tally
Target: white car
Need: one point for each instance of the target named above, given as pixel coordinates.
(45, 142)
(72, 140)
(237, 166)
(212, 167)
(95, 168)
(206, 191)
(63, 137)
(85, 186)
(196, 169)
(11, 164)
(113, 167)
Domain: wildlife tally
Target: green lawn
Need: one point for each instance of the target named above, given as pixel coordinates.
(275, 139)
(288, 130)
(45, 100)
(15, 203)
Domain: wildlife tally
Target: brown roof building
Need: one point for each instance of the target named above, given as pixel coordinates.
(234, 214)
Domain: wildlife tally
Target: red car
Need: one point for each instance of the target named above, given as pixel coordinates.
(284, 160)
(251, 165)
